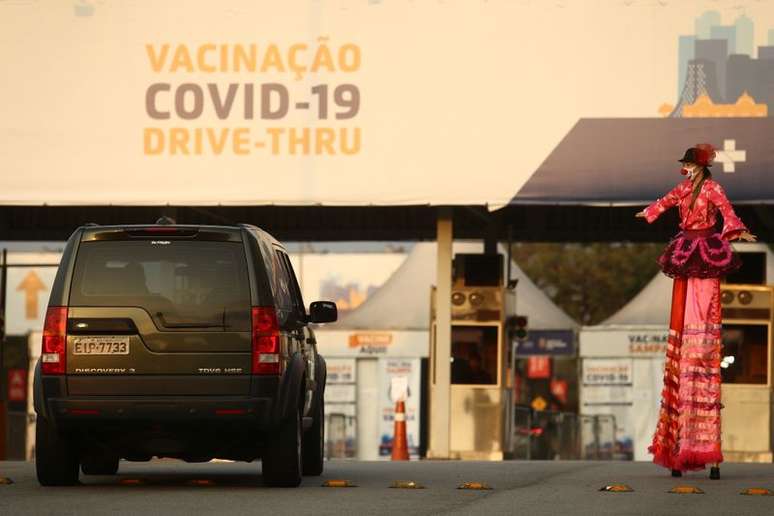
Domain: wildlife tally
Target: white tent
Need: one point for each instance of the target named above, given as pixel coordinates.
(403, 302)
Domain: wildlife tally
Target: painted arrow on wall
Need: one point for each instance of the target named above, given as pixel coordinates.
(31, 285)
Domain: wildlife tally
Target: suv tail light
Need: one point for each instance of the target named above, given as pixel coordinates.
(266, 342)
(54, 352)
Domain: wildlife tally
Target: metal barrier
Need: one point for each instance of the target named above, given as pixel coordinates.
(549, 435)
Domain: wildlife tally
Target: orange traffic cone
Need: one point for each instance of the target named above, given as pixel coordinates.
(399, 440)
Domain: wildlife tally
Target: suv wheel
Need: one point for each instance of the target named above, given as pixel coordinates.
(282, 457)
(56, 460)
(99, 465)
(314, 443)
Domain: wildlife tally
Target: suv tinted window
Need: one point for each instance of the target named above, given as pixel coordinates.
(182, 284)
(282, 286)
(295, 291)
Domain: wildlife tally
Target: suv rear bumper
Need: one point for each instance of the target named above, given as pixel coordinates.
(271, 400)
(72, 411)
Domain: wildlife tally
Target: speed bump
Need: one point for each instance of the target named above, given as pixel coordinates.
(617, 488)
(5, 481)
(686, 490)
(201, 482)
(338, 483)
(478, 486)
(131, 481)
(758, 491)
(406, 484)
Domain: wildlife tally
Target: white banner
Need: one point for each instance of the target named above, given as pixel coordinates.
(337, 343)
(604, 371)
(340, 393)
(343, 409)
(623, 342)
(635, 405)
(648, 382)
(242, 102)
(341, 370)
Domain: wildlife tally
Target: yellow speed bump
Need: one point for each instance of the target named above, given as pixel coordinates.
(686, 490)
(617, 488)
(479, 486)
(758, 491)
(338, 483)
(406, 484)
(201, 482)
(131, 481)
(5, 481)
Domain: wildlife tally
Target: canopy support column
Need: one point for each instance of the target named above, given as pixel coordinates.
(440, 382)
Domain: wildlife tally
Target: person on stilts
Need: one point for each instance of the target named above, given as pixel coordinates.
(687, 435)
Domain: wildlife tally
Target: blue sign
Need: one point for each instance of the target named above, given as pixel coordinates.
(546, 342)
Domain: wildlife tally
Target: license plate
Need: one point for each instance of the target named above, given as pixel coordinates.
(101, 346)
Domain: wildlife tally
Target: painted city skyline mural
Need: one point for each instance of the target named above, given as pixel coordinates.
(721, 73)
(724, 96)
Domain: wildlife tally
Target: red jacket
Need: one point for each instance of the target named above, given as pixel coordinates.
(711, 199)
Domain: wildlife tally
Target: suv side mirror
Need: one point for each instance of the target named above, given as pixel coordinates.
(323, 312)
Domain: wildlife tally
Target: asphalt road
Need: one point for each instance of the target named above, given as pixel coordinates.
(171, 487)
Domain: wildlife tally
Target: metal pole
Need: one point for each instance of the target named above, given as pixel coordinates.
(615, 435)
(3, 411)
(560, 434)
(529, 435)
(575, 441)
(596, 436)
(3, 281)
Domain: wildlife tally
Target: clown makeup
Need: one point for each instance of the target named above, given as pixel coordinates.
(690, 169)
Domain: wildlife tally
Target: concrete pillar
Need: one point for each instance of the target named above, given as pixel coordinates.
(368, 409)
(440, 385)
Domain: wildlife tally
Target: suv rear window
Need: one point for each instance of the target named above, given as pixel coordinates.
(181, 284)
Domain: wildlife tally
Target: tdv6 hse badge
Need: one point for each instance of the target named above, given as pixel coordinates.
(220, 370)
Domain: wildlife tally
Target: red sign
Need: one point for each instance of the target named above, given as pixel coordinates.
(17, 385)
(559, 390)
(539, 367)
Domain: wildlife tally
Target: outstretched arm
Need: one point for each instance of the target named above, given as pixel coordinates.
(733, 227)
(655, 210)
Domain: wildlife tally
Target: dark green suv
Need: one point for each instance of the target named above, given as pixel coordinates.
(179, 341)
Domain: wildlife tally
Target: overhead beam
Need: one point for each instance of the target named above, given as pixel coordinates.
(530, 223)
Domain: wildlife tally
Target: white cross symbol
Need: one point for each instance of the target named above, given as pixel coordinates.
(729, 156)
